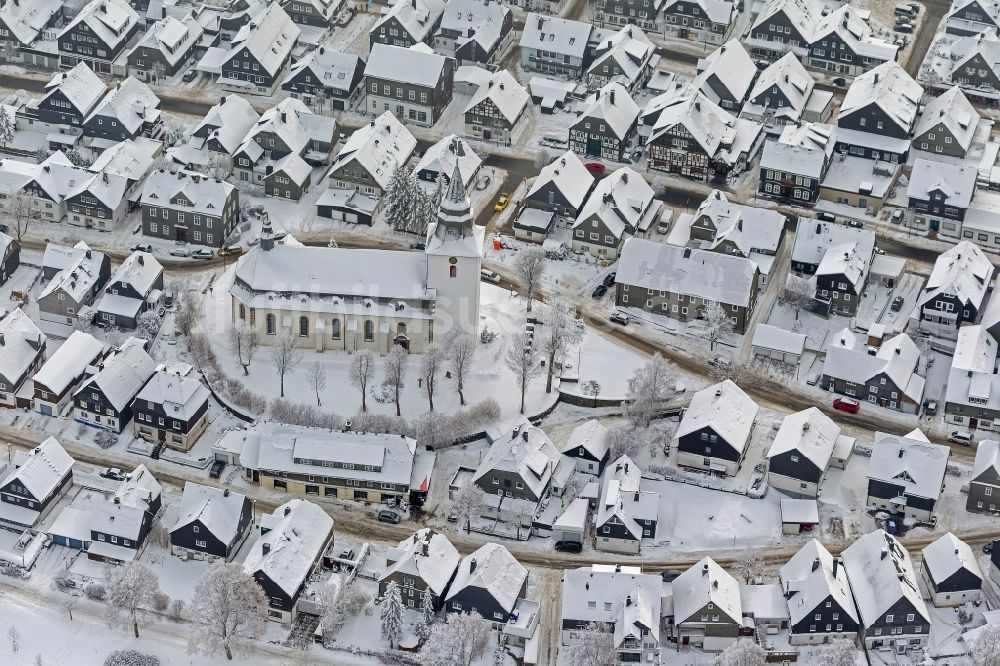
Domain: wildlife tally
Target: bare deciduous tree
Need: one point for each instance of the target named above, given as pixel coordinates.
(243, 344)
(986, 648)
(362, 372)
(461, 350)
(529, 267)
(594, 646)
(394, 371)
(466, 503)
(741, 653)
(430, 367)
(284, 356)
(459, 642)
(717, 322)
(648, 387)
(523, 362)
(21, 210)
(748, 566)
(15, 638)
(798, 293)
(229, 608)
(131, 592)
(563, 331)
(843, 652)
(316, 376)
(592, 387)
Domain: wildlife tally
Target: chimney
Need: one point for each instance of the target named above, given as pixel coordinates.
(687, 253)
(897, 350)
(472, 565)
(628, 600)
(423, 549)
(836, 564)
(118, 500)
(87, 254)
(288, 510)
(225, 492)
(612, 97)
(265, 548)
(815, 564)
(140, 260)
(636, 496)
(524, 434)
(2, 342)
(321, 50)
(715, 584)
(704, 569)
(885, 552)
(901, 452)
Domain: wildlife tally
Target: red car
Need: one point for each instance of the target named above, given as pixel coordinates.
(595, 168)
(849, 405)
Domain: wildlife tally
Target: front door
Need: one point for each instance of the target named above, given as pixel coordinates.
(594, 145)
(973, 424)
(402, 341)
(181, 234)
(162, 435)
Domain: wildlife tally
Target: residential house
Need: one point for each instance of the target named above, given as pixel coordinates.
(561, 187)
(906, 475)
(38, 479)
(951, 572)
(626, 513)
(726, 76)
(956, 290)
(887, 378)
(292, 540)
(516, 472)
(607, 125)
(104, 400)
(260, 53)
(10, 257)
(554, 45)
(972, 17)
(474, 32)
(947, 125)
(715, 430)
(611, 14)
(884, 586)
(842, 277)
(814, 238)
(25, 24)
(414, 83)
(818, 595)
(784, 26)
(188, 207)
(44, 185)
(136, 287)
(171, 408)
(844, 44)
(218, 135)
(679, 282)
(626, 57)
(211, 523)
(424, 561)
(315, 13)
(878, 114)
(588, 445)
(327, 75)
(75, 286)
(803, 449)
(496, 111)
(22, 352)
(58, 378)
(371, 154)
(972, 394)
(407, 23)
(128, 111)
(984, 486)
(620, 206)
(102, 199)
(973, 65)
(112, 529)
(489, 581)
(438, 163)
(785, 94)
(166, 48)
(793, 166)
(69, 97)
(708, 611)
(619, 596)
(706, 21)
(940, 195)
(98, 34)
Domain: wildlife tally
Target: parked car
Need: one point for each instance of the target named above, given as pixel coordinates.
(904, 27)
(890, 526)
(897, 216)
(387, 516)
(232, 250)
(849, 405)
(419, 245)
(840, 82)
(988, 547)
(619, 318)
(960, 437)
(599, 291)
(168, 299)
(930, 407)
(897, 304)
(180, 252)
(489, 276)
(4, 228)
(826, 217)
(112, 473)
(663, 226)
(203, 253)
(216, 470)
(140, 247)
(569, 546)
(190, 75)
(595, 168)
(501, 204)
(718, 361)
(813, 379)
(609, 279)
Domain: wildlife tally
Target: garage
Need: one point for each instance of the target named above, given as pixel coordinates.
(572, 524)
(345, 205)
(71, 528)
(799, 515)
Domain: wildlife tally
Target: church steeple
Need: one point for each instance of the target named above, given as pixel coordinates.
(455, 212)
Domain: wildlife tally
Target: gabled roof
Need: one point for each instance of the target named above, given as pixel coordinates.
(591, 436)
(731, 66)
(598, 593)
(704, 583)
(428, 555)
(442, 156)
(953, 110)
(847, 359)
(612, 105)
(204, 195)
(417, 17)
(180, 396)
(790, 77)
(847, 259)
(122, 374)
(42, 469)
(623, 201)
(131, 103)
(79, 276)
(747, 227)
(230, 119)
(881, 574)
(803, 15)
(726, 409)
(20, 340)
(948, 555)
(568, 175)
(527, 452)
(139, 489)
(638, 618)
(808, 577)
(173, 37)
(916, 465)
(289, 121)
(111, 21)
(853, 30)
(479, 21)
(330, 66)
(269, 37)
(140, 269)
(130, 159)
(491, 568)
(964, 271)
(69, 361)
(987, 457)
(717, 11)
(557, 35)
(814, 238)
(889, 87)
(505, 92)
(986, 45)
(630, 49)
(711, 126)
(379, 147)
(810, 432)
(27, 20)
(413, 66)
(218, 510)
(80, 86)
(956, 181)
(287, 552)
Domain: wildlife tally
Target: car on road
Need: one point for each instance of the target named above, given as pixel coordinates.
(489, 276)
(609, 279)
(216, 470)
(636, 156)
(569, 546)
(180, 252)
(619, 318)
(840, 82)
(988, 547)
(849, 405)
(897, 216)
(670, 575)
(232, 250)
(599, 291)
(897, 304)
(501, 204)
(419, 245)
(718, 361)
(190, 75)
(203, 253)
(452, 516)
(595, 168)
(387, 516)
(112, 473)
(960, 437)
(140, 247)
(168, 299)
(930, 407)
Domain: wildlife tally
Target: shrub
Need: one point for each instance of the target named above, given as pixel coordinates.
(131, 658)
(95, 591)
(161, 601)
(106, 439)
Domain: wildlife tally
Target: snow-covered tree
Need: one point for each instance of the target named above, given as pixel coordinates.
(424, 212)
(717, 322)
(741, 653)
(427, 615)
(114, 337)
(243, 345)
(542, 159)
(147, 325)
(394, 371)
(131, 592)
(461, 351)
(189, 311)
(229, 608)
(798, 292)
(399, 199)
(219, 166)
(7, 128)
(592, 387)
(131, 658)
(595, 646)
(843, 652)
(77, 158)
(21, 211)
(748, 566)
(563, 331)
(362, 372)
(392, 614)
(15, 638)
(430, 367)
(648, 388)
(986, 648)
(522, 361)
(284, 355)
(341, 604)
(466, 503)
(38, 661)
(459, 642)
(623, 440)
(529, 267)
(316, 376)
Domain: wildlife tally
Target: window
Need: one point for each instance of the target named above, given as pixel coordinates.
(335, 329)
(369, 330)
(453, 271)
(303, 327)
(270, 324)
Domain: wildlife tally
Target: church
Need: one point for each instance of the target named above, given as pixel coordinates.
(350, 299)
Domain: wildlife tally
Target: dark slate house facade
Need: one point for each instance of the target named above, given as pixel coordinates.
(42, 477)
(327, 74)
(984, 487)
(10, 257)
(98, 35)
(210, 534)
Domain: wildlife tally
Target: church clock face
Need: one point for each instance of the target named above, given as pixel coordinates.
(453, 260)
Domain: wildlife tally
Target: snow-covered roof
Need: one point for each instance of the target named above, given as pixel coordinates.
(881, 574)
(630, 49)
(228, 122)
(726, 409)
(574, 517)
(723, 278)
(180, 396)
(69, 361)
(711, 126)
(411, 66)
(286, 554)
(80, 275)
(889, 87)
(140, 269)
(20, 342)
(591, 436)
(918, 466)
(200, 193)
(172, 37)
(767, 336)
(330, 66)
(417, 17)
(122, 374)
(623, 201)
(897, 358)
(379, 147)
(956, 181)
(556, 35)
(41, 469)
(612, 105)
(849, 260)
(626, 505)
(947, 555)
(428, 555)
(972, 379)
(112, 21)
(269, 37)
(28, 20)
(803, 15)
(987, 458)
(599, 593)
(131, 103)
(789, 77)
(80, 86)
(139, 489)
(130, 160)
(808, 578)
(810, 432)
(568, 175)
(491, 568)
(813, 238)
(985, 46)
(747, 227)
(118, 519)
(509, 96)
(847, 24)
(217, 509)
(527, 452)
(441, 157)
(293, 123)
(717, 11)
(704, 583)
(479, 21)
(963, 271)
(731, 66)
(953, 111)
